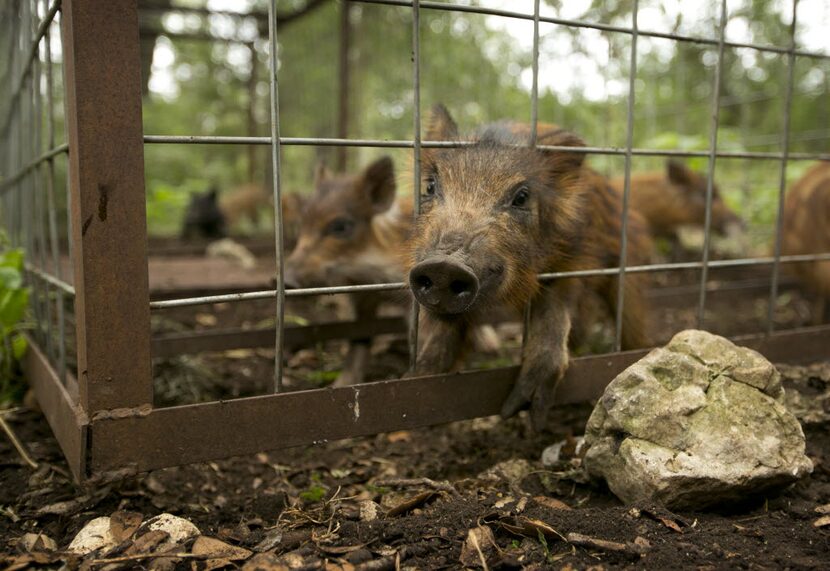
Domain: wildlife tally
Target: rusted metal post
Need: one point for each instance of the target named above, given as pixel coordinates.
(102, 68)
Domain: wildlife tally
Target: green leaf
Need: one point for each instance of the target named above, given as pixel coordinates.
(12, 259)
(13, 306)
(313, 494)
(19, 346)
(10, 278)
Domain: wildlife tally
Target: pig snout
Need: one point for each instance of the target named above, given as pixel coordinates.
(444, 285)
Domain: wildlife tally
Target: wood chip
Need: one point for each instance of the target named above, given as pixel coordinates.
(551, 503)
(824, 510)
(605, 545)
(822, 521)
(411, 503)
(340, 549)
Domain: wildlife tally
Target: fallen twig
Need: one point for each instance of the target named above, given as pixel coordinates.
(474, 541)
(17, 444)
(410, 482)
(604, 544)
(141, 556)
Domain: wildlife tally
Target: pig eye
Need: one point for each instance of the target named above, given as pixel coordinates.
(431, 186)
(521, 197)
(339, 227)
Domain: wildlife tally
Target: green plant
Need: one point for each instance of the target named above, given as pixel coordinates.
(14, 299)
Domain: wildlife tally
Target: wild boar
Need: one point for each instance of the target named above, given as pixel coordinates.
(806, 230)
(212, 216)
(354, 232)
(497, 212)
(674, 198)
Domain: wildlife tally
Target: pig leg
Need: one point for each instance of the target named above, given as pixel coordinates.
(545, 354)
(440, 345)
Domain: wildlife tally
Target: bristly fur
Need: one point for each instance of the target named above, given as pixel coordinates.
(806, 220)
(673, 198)
(575, 224)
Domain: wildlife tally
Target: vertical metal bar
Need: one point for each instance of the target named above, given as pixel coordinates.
(534, 129)
(252, 125)
(38, 196)
(14, 127)
(28, 142)
(344, 82)
(275, 163)
(109, 225)
(629, 142)
(710, 179)
(416, 163)
(51, 207)
(782, 182)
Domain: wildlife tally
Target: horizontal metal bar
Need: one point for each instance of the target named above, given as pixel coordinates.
(197, 433)
(49, 278)
(16, 177)
(189, 342)
(405, 144)
(68, 423)
(30, 58)
(173, 344)
(448, 7)
(268, 294)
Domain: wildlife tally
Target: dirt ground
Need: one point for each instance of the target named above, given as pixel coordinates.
(408, 500)
(472, 494)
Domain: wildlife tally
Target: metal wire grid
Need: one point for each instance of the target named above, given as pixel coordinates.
(28, 127)
(23, 169)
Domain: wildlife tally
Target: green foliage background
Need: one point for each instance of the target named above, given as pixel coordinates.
(476, 69)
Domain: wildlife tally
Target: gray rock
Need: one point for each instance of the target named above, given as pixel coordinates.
(697, 423)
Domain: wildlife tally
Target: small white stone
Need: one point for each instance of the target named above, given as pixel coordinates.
(178, 528)
(95, 536)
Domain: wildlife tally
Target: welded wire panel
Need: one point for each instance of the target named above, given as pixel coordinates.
(710, 179)
(277, 191)
(785, 149)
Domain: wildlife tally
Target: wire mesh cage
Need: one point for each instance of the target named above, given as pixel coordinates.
(73, 197)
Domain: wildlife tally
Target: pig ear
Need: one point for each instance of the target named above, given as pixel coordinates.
(678, 173)
(563, 161)
(441, 125)
(378, 184)
(321, 173)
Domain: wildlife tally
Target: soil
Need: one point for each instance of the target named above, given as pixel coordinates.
(302, 507)
(312, 507)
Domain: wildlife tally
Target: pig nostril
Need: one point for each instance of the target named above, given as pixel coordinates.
(458, 287)
(423, 282)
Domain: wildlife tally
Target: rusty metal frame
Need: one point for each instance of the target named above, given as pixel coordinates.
(105, 421)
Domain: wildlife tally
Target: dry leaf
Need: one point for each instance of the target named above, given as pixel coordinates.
(411, 503)
(36, 542)
(272, 538)
(123, 524)
(530, 528)
(825, 509)
(479, 546)
(147, 542)
(822, 521)
(218, 554)
(265, 562)
(551, 503)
